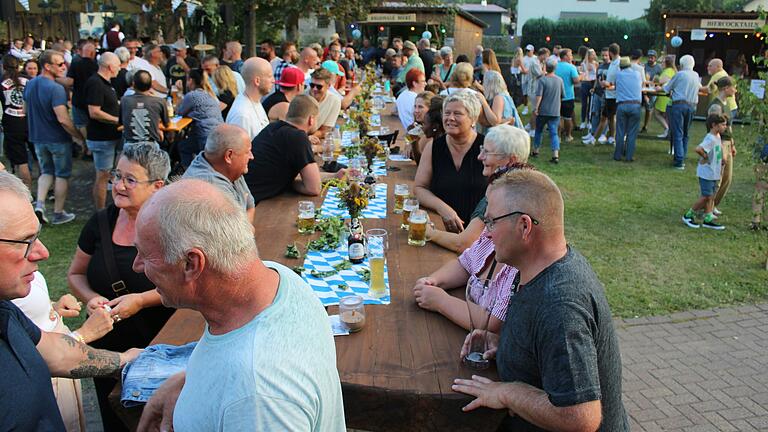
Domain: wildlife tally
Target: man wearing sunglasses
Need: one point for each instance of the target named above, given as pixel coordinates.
(29, 356)
(557, 352)
(329, 105)
(52, 131)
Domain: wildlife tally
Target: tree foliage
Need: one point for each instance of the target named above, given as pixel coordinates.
(601, 32)
(753, 108)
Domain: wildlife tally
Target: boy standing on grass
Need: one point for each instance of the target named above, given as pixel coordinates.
(709, 171)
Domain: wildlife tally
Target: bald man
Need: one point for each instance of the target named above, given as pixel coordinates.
(224, 162)
(195, 244)
(103, 138)
(557, 354)
(716, 72)
(29, 356)
(246, 110)
(308, 62)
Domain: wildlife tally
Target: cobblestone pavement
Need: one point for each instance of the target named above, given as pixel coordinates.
(691, 371)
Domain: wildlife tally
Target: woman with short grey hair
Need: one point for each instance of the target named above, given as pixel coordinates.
(121, 81)
(449, 178)
(445, 70)
(101, 274)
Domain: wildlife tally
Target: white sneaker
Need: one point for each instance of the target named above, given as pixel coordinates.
(612, 141)
(716, 212)
(590, 141)
(528, 126)
(583, 125)
(525, 111)
(587, 137)
(602, 139)
(532, 133)
(663, 135)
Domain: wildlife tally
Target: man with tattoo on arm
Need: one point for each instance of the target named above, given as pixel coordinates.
(28, 356)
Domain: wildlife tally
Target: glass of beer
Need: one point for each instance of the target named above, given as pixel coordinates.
(329, 153)
(417, 228)
(376, 286)
(401, 193)
(306, 220)
(480, 300)
(336, 147)
(409, 205)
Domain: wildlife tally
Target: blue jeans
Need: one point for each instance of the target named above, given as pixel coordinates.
(80, 117)
(143, 376)
(597, 112)
(55, 158)
(680, 119)
(586, 86)
(627, 124)
(552, 122)
(103, 153)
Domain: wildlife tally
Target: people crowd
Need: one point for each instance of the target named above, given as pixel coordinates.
(257, 127)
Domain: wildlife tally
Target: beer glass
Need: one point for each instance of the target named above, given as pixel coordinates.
(328, 150)
(401, 193)
(336, 146)
(376, 286)
(479, 302)
(409, 205)
(417, 228)
(306, 220)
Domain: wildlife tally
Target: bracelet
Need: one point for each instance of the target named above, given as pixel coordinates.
(77, 336)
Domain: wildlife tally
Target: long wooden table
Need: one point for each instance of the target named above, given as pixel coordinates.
(397, 372)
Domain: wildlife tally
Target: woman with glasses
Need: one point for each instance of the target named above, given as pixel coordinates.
(101, 274)
(450, 178)
(505, 148)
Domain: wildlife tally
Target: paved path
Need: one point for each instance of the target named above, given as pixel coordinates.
(691, 371)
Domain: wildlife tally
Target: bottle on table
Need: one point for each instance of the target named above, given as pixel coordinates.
(356, 242)
(169, 106)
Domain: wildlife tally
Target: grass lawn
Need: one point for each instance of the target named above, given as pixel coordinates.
(626, 219)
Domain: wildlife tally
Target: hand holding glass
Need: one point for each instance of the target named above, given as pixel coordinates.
(479, 302)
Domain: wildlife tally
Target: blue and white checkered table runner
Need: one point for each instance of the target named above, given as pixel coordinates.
(328, 290)
(377, 207)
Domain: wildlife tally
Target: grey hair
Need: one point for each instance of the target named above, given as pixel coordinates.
(11, 183)
(151, 157)
(424, 42)
(494, 85)
(687, 62)
(511, 141)
(222, 232)
(468, 99)
(106, 58)
(224, 136)
(123, 54)
(446, 51)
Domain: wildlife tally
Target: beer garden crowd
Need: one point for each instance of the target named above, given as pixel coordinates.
(258, 125)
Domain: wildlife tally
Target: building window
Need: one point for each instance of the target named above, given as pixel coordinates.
(323, 21)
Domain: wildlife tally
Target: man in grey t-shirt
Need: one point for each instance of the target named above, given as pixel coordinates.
(557, 353)
(549, 95)
(141, 113)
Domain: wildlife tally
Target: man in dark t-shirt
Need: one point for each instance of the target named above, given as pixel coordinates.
(103, 138)
(282, 150)
(177, 68)
(141, 113)
(78, 74)
(557, 353)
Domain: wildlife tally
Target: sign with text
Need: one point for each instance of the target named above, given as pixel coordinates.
(728, 24)
(390, 18)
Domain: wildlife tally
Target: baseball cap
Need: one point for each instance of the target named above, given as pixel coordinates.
(529, 47)
(332, 67)
(180, 44)
(636, 53)
(651, 53)
(291, 77)
(409, 45)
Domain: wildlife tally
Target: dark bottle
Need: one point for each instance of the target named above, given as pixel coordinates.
(356, 243)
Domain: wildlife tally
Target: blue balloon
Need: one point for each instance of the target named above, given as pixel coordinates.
(676, 41)
(426, 35)
(356, 34)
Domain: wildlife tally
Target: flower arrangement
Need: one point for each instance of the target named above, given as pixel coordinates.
(353, 196)
(371, 148)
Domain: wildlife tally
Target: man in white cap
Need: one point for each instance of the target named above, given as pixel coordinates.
(529, 58)
(178, 67)
(414, 61)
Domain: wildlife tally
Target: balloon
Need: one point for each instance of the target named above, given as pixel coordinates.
(356, 34)
(426, 35)
(676, 41)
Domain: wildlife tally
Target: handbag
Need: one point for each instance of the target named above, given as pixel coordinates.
(118, 285)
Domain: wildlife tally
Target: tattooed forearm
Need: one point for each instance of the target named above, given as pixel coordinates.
(97, 363)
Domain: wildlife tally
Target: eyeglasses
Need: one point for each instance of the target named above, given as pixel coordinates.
(128, 181)
(317, 86)
(490, 223)
(29, 242)
(487, 153)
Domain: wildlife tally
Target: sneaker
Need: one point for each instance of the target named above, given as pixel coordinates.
(568, 139)
(663, 135)
(40, 213)
(711, 224)
(754, 226)
(680, 167)
(611, 141)
(62, 218)
(689, 218)
(589, 141)
(716, 212)
(587, 137)
(528, 127)
(555, 160)
(602, 139)
(525, 111)
(532, 133)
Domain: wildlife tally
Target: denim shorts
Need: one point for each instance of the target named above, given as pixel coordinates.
(103, 153)
(708, 187)
(55, 158)
(79, 117)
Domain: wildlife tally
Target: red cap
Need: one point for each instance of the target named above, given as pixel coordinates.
(291, 77)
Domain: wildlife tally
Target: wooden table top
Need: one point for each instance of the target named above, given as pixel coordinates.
(397, 372)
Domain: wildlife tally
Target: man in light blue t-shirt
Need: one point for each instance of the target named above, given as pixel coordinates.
(267, 359)
(570, 76)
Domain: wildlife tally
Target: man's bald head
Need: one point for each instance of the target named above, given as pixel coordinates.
(716, 64)
(88, 50)
(109, 59)
(257, 72)
(533, 193)
(226, 136)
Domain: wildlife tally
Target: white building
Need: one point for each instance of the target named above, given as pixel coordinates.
(563, 9)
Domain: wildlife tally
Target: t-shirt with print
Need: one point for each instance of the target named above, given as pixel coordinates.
(141, 116)
(174, 72)
(550, 88)
(99, 92)
(559, 337)
(602, 74)
(280, 152)
(42, 96)
(568, 73)
(712, 168)
(610, 76)
(81, 71)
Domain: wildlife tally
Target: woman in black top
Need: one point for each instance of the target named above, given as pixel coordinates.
(450, 178)
(15, 118)
(225, 82)
(135, 305)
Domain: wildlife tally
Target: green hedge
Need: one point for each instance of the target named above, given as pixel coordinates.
(601, 32)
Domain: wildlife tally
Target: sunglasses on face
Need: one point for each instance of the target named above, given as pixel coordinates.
(317, 86)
